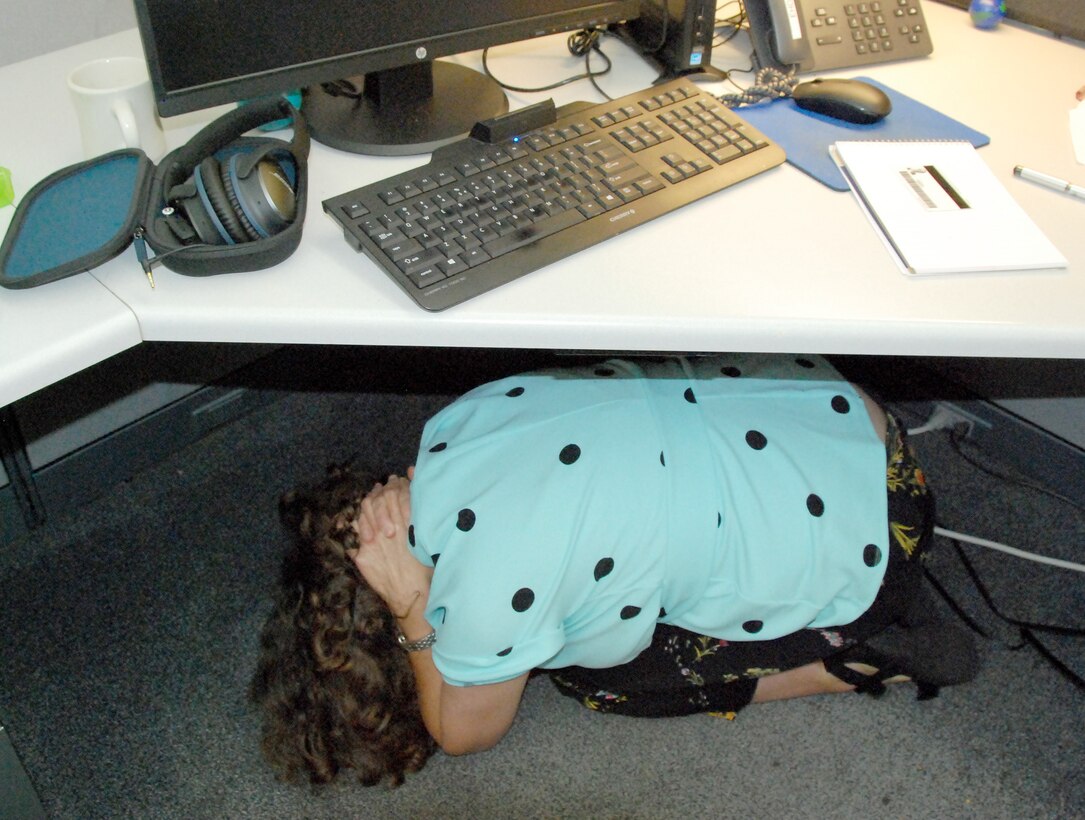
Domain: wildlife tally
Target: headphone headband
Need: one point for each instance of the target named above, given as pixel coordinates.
(220, 133)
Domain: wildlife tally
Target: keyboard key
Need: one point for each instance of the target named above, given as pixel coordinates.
(648, 184)
(418, 261)
(426, 276)
(475, 257)
(428, 240)
(616, 181)
(451, 265)
(355, 210)
(391, 197)
(402, 250)
(388, 238)
(534, 232)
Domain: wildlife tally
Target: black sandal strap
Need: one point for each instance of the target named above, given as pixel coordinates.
(873, 684)
(864, 684)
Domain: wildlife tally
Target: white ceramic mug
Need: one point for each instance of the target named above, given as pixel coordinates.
(115, 107)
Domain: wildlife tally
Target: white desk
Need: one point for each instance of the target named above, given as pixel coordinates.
(777, 263)
(50, 332)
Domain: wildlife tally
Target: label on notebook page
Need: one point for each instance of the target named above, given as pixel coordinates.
(932, 188)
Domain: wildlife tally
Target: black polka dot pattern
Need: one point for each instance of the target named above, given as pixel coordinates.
(815, 505)
(689, 396)
(569, 454)
(841, 405)
(523, 599)
(438, 448)
(805, 363)
(516, 391)
(730, 372)
(410, 536)
(753, 627)
(465, 521)
(872, 555)
(756, 440)
(662, 459)
(603, 568)
(505, 652)
(629, 612)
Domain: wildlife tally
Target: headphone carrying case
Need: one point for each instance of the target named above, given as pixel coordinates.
(222, 203)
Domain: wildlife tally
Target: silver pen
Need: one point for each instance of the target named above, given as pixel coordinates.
(1048, 181)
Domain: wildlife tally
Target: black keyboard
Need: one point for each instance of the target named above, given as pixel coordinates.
(481, 214)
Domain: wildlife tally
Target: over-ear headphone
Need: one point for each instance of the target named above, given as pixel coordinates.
(244, 196)
(226, 189)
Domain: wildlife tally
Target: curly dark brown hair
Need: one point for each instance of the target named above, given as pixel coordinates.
(334, 688)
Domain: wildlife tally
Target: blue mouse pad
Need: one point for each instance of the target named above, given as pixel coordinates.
(806, 136)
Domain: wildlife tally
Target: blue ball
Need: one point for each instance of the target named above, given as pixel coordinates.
(987, 14)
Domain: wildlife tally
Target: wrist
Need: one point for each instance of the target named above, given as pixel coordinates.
(406, 606)
(413, 624)
(415, 632)
(410, 598)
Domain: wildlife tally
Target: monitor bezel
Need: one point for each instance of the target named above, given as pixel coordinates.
(171, 102)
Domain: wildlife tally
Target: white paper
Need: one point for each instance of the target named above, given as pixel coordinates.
(1077, 131)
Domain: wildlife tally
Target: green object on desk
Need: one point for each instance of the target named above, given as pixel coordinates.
(7, 191)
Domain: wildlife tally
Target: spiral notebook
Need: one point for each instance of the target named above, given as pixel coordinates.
(940, 209)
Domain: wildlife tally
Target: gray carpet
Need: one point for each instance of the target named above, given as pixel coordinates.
(130, 633)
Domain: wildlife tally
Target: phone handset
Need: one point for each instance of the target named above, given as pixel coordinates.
(789, 38)
(835, 33)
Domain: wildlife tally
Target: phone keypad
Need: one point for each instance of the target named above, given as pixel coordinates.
(875, 29)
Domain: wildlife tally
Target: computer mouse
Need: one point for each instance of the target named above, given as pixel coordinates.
(843, 99)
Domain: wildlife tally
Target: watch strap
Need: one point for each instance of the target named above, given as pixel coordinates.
(425, 642)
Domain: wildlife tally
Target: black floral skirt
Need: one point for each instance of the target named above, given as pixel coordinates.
(683, 673)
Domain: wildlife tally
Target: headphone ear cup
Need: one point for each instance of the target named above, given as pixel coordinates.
(209, 183)
(237, 207)
(261, 188)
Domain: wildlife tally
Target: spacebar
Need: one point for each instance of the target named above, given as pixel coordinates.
(534, 232)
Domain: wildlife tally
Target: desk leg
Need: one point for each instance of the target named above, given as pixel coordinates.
(17, 467)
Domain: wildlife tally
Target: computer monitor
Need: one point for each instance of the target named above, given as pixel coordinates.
(368, 71)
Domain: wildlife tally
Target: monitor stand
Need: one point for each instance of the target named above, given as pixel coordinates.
(409, 110)
(667, 72)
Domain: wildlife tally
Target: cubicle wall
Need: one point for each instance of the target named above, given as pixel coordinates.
(1063, 17)
(37, 28)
